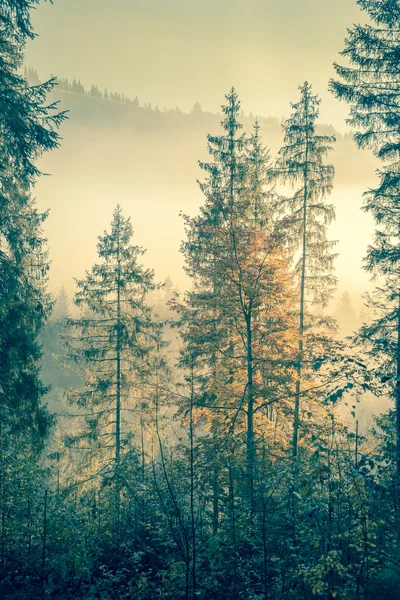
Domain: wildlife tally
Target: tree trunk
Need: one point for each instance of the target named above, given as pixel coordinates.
(192, 485)
(3, 495)
(233, 519)
(118, 404)
(264, 540)
(296, 423)
(215, 501)
(250, 417)
(44, 541)
(397, 474)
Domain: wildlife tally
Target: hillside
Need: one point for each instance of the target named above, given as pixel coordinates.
(94, 109)
(114, 150)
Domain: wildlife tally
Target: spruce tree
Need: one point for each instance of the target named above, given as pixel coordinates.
(227, 168)
(202, 250)
(61, 310)
(238, 315)
(27, 129)
(114, 336)
(370, 83)
(301, 163)
(346, 315)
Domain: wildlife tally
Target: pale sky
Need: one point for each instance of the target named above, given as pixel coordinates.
(176, 52)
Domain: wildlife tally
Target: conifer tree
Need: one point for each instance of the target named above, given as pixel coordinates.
(226, 170)
(203, 247)
(301, 162)
(259, 180)
(203, 250)
(27, 129)
(61, 310)
(239, 308)
(114, 337)
(346, 315)
(370, 83)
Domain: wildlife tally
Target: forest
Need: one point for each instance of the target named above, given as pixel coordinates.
(217, 442)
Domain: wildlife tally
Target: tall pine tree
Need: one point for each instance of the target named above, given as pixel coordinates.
(114, 337)
(239, 310)
(301, 163)
(27, 129)
(370, 83)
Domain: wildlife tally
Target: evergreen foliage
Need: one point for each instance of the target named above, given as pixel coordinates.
(300, 161)
(370, 84)
(113, 337)
(28, 127)
(346, 315)
(170, 474)
(238, 314)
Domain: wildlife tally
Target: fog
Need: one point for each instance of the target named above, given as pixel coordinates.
(147, 161)
(175, 54)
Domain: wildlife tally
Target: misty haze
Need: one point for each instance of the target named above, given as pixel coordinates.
(199, 300)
